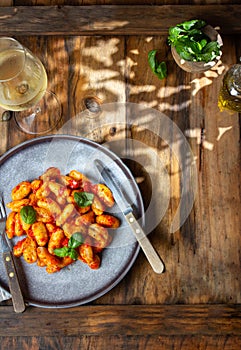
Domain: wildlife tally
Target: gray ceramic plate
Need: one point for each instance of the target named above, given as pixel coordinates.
(76, 284)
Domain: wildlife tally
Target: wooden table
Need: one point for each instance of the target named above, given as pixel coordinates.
(101, 51)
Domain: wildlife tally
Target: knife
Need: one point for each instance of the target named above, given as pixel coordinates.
(125, 207)
(15, 290)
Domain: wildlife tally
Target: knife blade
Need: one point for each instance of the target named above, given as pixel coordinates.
(15, 290)
(112, 182)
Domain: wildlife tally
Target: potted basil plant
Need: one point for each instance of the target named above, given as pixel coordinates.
(195, 46)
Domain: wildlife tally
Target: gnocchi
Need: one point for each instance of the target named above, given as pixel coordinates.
(53, 212)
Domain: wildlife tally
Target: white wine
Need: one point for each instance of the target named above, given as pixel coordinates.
(23, 80)
(11, 63)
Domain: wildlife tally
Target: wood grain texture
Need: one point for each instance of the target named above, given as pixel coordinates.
(219, 342)
(144, 311)
(119, 2)
(202, 258)
(138, 320)
(6, 3)
(117, 20)
(204, 255)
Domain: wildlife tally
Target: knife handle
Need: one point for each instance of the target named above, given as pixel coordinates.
(15, 290)
(151, 255)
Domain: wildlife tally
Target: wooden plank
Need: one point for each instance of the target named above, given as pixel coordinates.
(123, 342)
(138, 320)
(111, 19)
(110, 2)
(216, 218)
(157, 169)
(93, 74)
(202, 258)
(5, 3)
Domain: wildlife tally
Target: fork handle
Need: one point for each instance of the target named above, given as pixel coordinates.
(15, 290)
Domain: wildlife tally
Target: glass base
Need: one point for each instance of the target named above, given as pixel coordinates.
(41, 118)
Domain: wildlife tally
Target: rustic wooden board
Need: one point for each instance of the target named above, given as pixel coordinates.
(5, 3)
(138, 320)
(203, 256)
(202, 259)
(111, 2)
(118, 20)
(124, 342)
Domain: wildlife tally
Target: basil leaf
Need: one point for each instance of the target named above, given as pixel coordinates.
(61, 252)
(194, 23)
(203, 43)
(65, 251)
(75, 240)
(183, 52)
(83, 199)
(159, 69)
(212, 46)
(186, 56)
(28, 214)
(73, 254)
(152, 59)
(174, 34)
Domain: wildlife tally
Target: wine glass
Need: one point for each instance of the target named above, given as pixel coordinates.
(23, 89)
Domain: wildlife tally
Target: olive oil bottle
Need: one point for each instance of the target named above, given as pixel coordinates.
(230, 92)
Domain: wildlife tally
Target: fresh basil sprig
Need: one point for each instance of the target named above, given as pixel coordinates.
(158, 68)
(28, 214)
(83, 199)
(74, 242)
(191, 43)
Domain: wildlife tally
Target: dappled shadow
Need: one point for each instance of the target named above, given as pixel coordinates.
(115, 70)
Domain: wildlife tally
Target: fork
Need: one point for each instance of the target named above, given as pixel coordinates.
(15, 290)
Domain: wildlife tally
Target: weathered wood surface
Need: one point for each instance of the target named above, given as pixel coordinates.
(203, 257)
(117, 20)
(138, 320)
(208, 241)
(134, 327)
(124, 342)
(116, 2)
